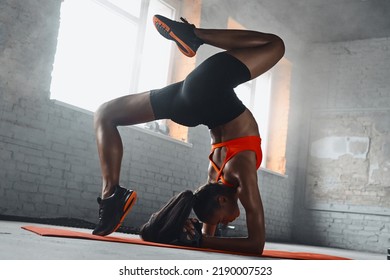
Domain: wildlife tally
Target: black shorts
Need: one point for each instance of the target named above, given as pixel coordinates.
(206, 96)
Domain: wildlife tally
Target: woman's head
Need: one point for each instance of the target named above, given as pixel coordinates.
(216, 203)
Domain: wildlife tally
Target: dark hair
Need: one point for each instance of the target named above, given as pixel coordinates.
(165, 225)
(206, 199)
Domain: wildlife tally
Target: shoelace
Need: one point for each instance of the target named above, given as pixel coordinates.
(101, 209)
(186, 22)
(101, 213)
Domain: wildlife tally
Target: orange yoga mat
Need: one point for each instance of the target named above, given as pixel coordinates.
(58, 232)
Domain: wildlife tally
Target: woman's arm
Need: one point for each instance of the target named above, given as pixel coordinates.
(208, 230)
(249, 195)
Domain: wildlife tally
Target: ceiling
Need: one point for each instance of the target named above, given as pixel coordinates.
(333, 20)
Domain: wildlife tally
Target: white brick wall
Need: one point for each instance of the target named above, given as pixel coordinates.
(350, 77)
(277, 192)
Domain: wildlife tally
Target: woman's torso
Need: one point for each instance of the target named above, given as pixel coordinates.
(242, 126)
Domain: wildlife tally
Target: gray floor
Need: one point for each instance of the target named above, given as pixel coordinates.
(19, 244)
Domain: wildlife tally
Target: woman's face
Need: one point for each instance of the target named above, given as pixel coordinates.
(227, 212)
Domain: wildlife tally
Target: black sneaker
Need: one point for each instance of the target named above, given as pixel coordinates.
(182, 33)
(113, 210)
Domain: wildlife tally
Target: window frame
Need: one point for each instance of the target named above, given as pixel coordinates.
(131, 85)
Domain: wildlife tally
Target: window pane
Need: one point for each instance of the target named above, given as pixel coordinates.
(256, 97)
(244, 92)
(156, 53)
(261, 110)
(94, 54)
(133, 7)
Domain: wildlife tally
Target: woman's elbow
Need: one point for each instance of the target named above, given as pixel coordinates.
(257, 247)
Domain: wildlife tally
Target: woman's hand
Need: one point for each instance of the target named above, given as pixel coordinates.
(189, 227)
(192, 233)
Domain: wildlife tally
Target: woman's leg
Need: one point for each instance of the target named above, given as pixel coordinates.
(258, 51)
(127, 110)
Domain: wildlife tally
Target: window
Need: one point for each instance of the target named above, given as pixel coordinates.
(280, 85)
(106, 49)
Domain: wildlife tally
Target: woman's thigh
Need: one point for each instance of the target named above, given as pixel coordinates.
(128, 110)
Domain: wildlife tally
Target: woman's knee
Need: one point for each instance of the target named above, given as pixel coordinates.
(127, 110)
(280, 48)
(103, 114)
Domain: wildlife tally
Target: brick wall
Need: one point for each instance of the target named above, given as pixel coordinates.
(343, 197)
(48, 154)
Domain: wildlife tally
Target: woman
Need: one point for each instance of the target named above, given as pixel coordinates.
(205, 97)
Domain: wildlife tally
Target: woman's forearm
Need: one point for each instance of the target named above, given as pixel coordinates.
(235, 244)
